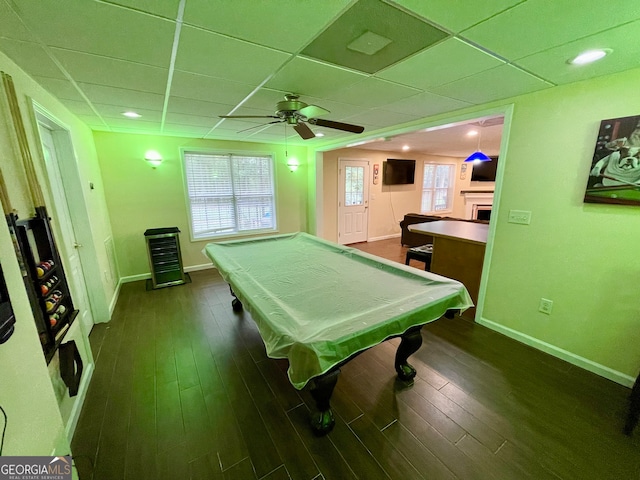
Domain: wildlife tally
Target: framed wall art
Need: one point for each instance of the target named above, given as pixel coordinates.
(614, 176)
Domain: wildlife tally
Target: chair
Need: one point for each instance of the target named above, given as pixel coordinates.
(422, 253)
(634, 408)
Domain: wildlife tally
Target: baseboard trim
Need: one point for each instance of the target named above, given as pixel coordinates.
(384, 237)
(195, 268)
(565, 355)
(70, 427)
(135, 278)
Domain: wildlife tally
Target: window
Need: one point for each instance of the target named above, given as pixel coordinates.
(229, 193)
(437, 185)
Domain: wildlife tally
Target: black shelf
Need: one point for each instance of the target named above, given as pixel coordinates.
(35, 245)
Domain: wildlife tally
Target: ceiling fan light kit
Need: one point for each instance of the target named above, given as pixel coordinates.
(292, 111)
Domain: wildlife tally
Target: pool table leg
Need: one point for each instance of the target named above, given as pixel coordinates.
(322, 421)
(235, 303)
(411, 341)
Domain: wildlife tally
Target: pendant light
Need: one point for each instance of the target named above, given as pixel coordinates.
(478, 155)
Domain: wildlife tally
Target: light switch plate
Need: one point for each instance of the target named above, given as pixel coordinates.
(522, 217)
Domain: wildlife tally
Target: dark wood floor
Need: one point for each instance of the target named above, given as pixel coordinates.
(183, 389)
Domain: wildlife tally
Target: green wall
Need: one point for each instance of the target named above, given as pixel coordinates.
(36, 422)
(584, 257)
(140, 197)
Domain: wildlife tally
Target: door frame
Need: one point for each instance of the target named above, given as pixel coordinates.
(67, 163)
(341, 187)
(433, 121)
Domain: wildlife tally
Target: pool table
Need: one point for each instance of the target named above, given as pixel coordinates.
(319, 304)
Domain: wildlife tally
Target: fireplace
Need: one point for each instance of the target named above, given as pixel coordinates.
(478, 204)
(481, 212)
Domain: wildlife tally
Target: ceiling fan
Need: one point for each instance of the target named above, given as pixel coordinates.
(294, 112)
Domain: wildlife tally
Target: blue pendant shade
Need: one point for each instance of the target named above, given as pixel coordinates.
(477, 156)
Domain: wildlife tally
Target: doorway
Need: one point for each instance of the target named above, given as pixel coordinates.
(353, 201)
(71, 220)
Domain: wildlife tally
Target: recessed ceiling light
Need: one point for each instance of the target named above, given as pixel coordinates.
(472, 133)
(589, 56)
(405, 148)
(131, 114)
(319, 134)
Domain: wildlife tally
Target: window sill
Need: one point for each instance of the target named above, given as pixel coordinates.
(236, 236)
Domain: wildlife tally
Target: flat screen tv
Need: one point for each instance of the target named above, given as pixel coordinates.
(398, 171)
(485, 171)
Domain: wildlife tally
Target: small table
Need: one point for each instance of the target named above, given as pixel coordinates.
(458, 252)
(320, 304)
(422, 254)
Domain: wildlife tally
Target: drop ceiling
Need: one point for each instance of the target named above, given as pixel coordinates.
(181, 64)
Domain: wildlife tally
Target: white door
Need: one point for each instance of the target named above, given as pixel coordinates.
(353, 201)
(67, 244)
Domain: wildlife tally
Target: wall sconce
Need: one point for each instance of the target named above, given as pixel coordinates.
(293, 164)
(153, 157)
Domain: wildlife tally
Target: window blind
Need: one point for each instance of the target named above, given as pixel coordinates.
(229, 193)
(436, 188)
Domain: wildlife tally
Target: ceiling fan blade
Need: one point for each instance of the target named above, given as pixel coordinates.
(258, 126)
(312, 111)
(247, 116)
(347, 127)
(304, 131)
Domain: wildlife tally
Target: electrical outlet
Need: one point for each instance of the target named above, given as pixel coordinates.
(522, 217)
(545, 305)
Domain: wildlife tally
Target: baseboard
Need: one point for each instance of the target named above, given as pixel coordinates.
(144, 276)
(70, 427)
(385, 237)
(195, 268)
(565, 355)
(135, 278)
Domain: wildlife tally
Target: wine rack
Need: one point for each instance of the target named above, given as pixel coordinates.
(165, 260)
(44, 278)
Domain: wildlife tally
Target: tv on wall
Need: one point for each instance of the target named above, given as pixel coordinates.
(485, 171)
(398, 171)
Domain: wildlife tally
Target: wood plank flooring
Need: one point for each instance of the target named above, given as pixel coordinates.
(183, 389)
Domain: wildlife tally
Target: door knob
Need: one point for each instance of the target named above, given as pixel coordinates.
(77, 245)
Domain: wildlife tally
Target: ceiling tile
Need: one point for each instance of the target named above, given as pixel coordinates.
(443, 63)
(31, 57)
(12, 27)
(165, 8)
(132, 124)
(92, 121)
(308, 77)
(456, 16)
(217, 56)
(624, 41)
(130, 99)
(404, 35)
(426, 104)
(114, 111)
(152, 130)
(101, 29)
(187, 130)
(195, 120)
(372, 92)
(200, 87)
(495, 84)
(511, 34)
(189, 106)
(61, 89)
(88, 68)
(79, 108)
(380, 118)
(280, 24)
(266, 99)
(235, 125)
